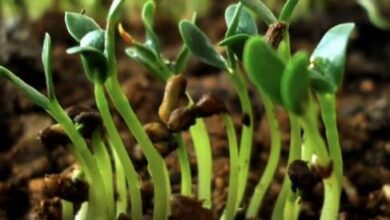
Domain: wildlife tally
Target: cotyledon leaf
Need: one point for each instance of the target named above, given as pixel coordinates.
(199, 45)
(330, 54)
(264, 67)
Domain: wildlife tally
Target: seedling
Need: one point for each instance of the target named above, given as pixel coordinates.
(301, 84)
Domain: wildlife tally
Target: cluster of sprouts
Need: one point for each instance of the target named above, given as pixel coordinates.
(105, 183)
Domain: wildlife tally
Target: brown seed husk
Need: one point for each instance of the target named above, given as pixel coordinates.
(181, 119)
(157, 132)
(209, 105)
(275, 33)
(53, 136)
(174, 97)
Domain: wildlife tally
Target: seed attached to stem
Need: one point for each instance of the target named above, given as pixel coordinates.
(157, 132)
(53, 135)
(66, 186)
(181, 119)
(301, 176)
(209, 105)
(174, 97)
(275, 34)
(90, 121)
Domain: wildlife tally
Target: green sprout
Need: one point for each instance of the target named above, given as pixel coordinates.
(304, 85)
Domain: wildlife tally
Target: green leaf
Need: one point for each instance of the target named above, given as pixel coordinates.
(295, 83)
(94, 39)
(35, 96)
(264, 67)
(330, 54)
(320, 83)
(79, 25)
(114, 11)
(246, 24)
(94, 61)
(146, 57)
(181, 60)
(198, 43)
(46, 61)
(261, 10)
(236, 43)
(148, 19)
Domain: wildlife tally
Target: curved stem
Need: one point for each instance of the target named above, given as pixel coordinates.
(287, 10)
(330, 208)
(202, 147)
(272, 163)
(328, 111)
(121, 187)
(295, 153)
(157, 167)
(104, 162)
(230, 209)
(246, 134)
(120, 149)
(96, 207)
(186, 178)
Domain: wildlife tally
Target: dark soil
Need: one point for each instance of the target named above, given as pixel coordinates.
(363, 114)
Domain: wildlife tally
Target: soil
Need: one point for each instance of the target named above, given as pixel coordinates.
(363, 114)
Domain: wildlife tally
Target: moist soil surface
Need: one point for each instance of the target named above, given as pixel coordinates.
(363, 115)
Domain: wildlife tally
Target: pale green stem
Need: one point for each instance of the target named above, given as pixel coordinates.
(231, 203)
(328, 111)
(97, 208)
(118, 146)
(67, 210)
(121, 187)
(330, 207)
(294, 154)
(272, 164)
(246, 134)
(186, 177)
(103, 160)
(202, 147)
(157, 167)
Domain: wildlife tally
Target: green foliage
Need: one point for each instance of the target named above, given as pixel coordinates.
(295, 84)
(46, 61)
(246, 23)
(198, 43)
(264, 67)
(329, 55)
(92, 55)
(261, 10)
(79, 25)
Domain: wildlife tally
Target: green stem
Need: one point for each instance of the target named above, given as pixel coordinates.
(105, 167)
(202, 147)
(294, 154)
(231, 203)
(328, 111)
(313, 140)
(240, 87)
(273, 160)
(330, 208)
(292, 206)
(287, 10)
(67, 210)
(97, 208)
(120, 179)
(157, 167)
(120, 149)
(185, 168)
